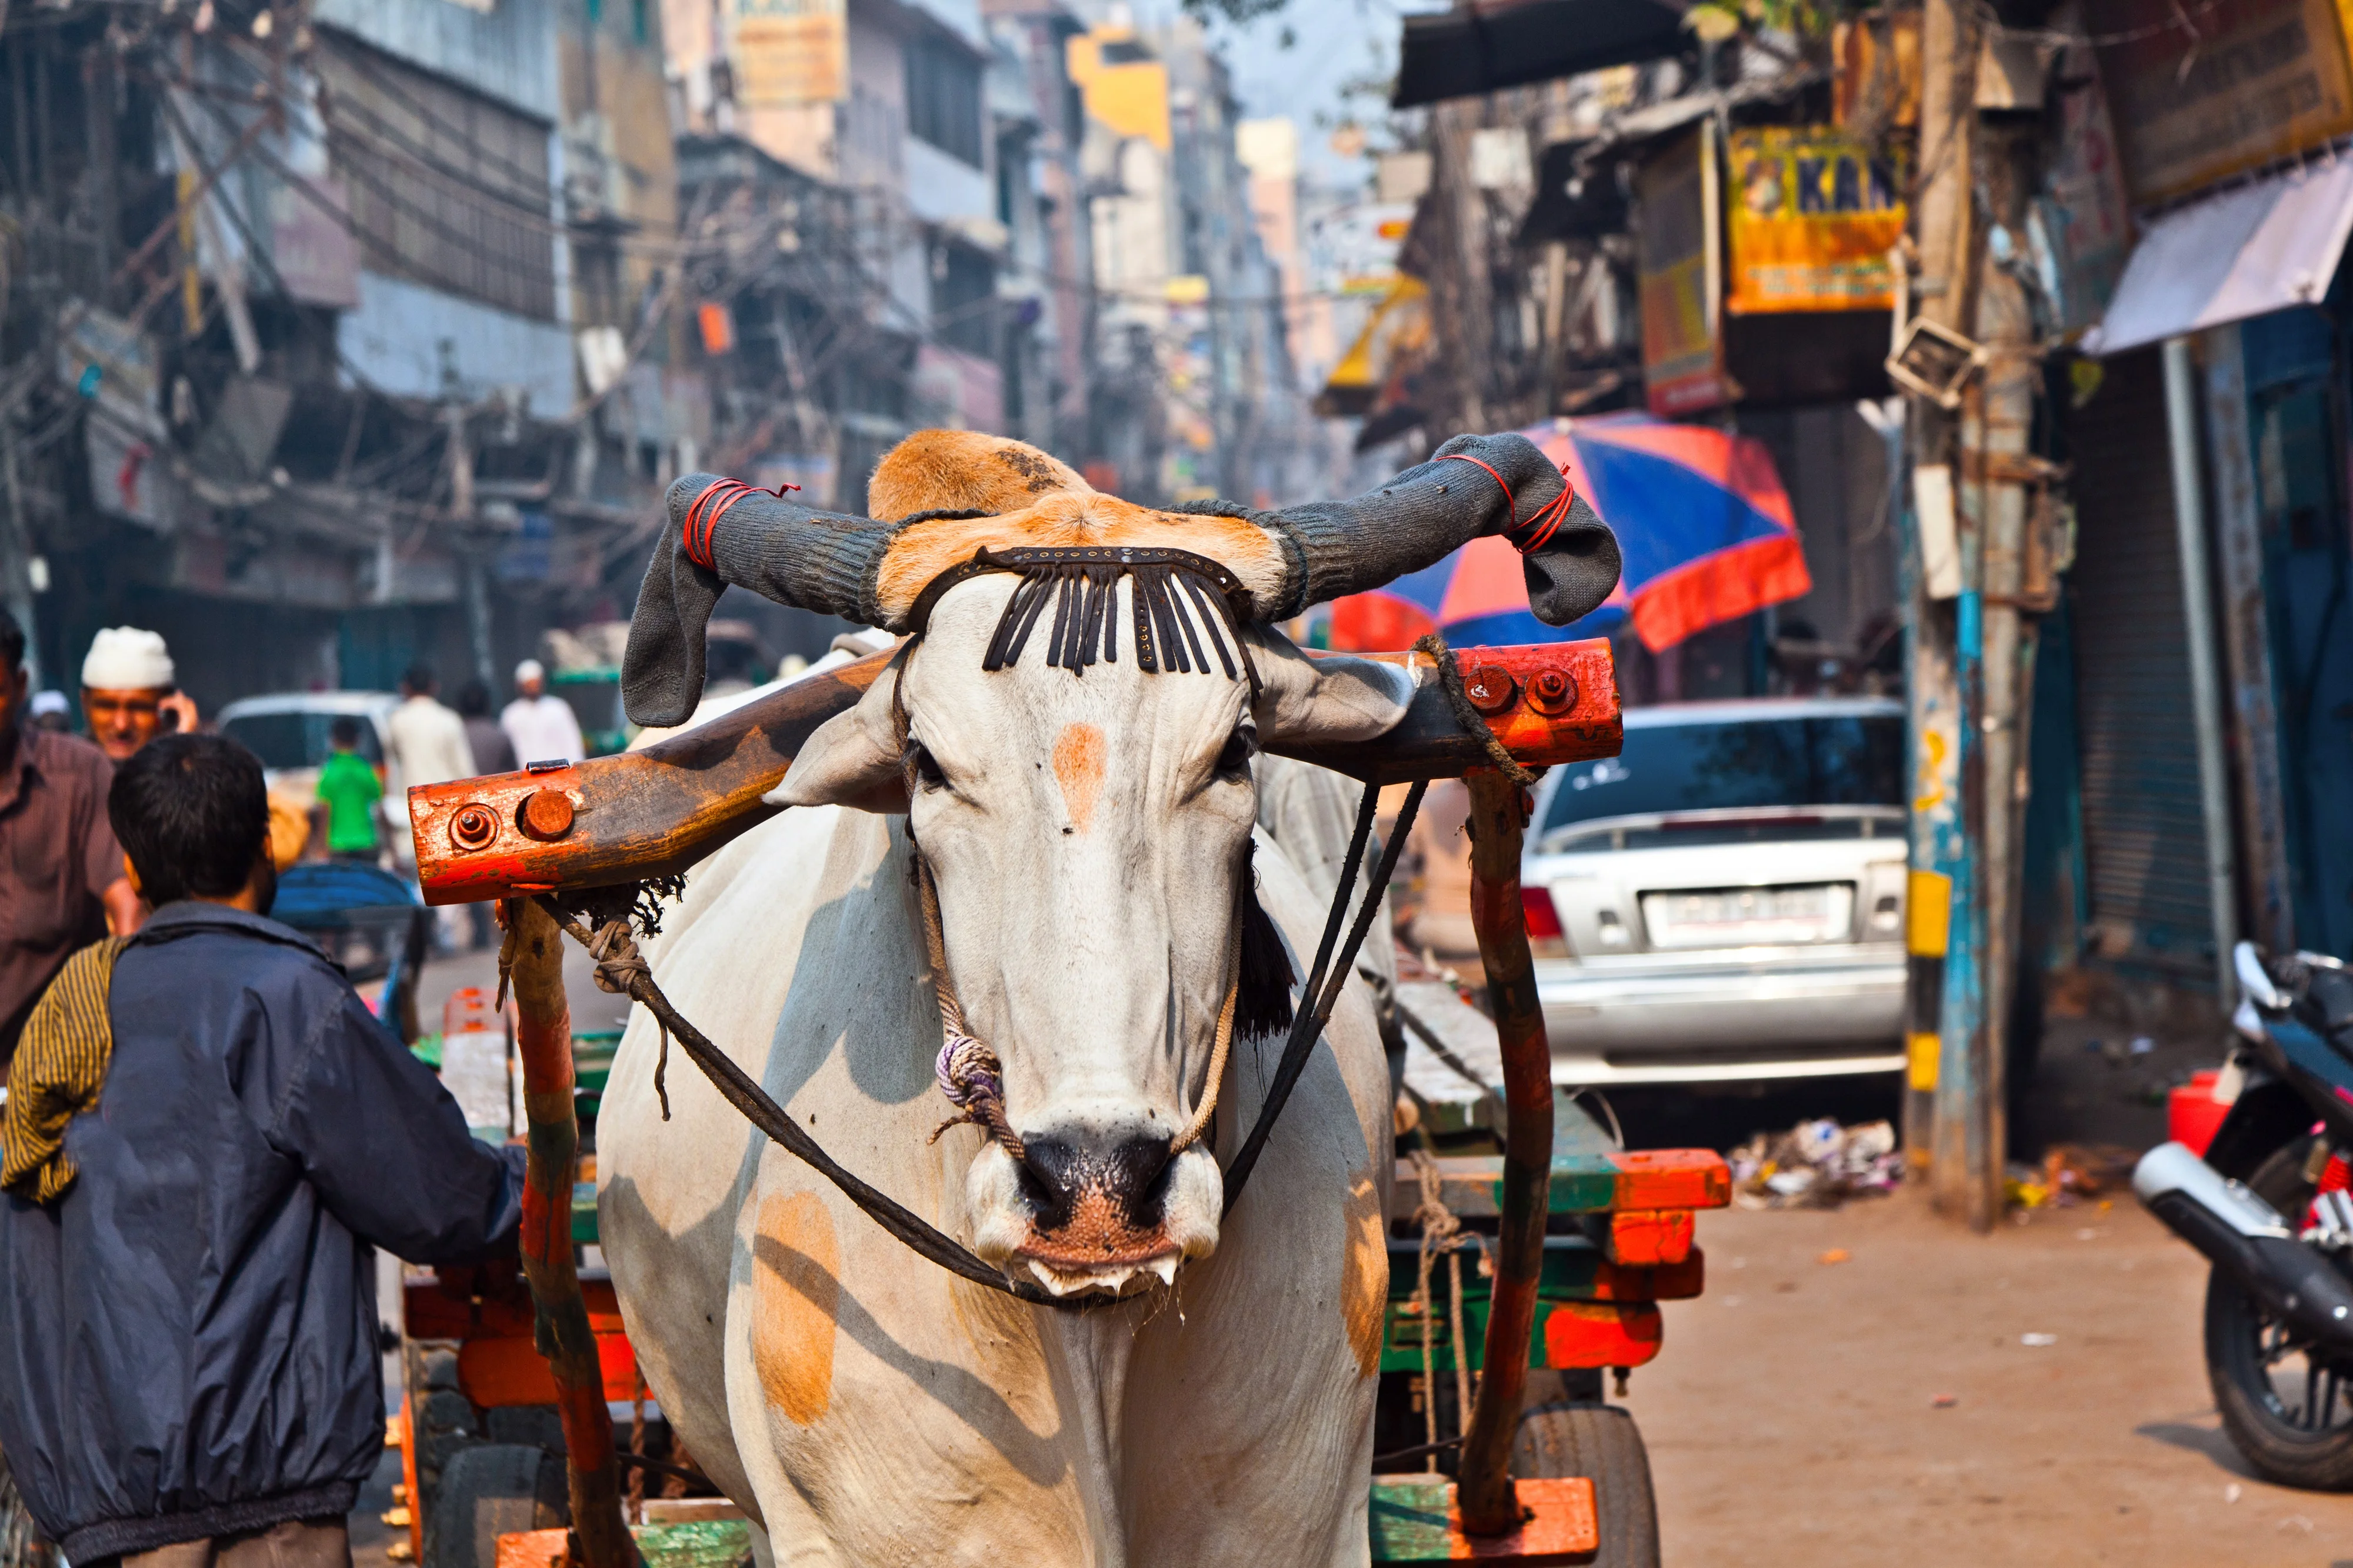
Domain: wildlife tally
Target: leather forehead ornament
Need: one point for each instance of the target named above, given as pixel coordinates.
(955, 493)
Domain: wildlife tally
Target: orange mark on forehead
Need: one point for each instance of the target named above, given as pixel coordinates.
(1078, 769)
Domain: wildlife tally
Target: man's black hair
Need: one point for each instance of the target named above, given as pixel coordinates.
(12, 643)
(419, 677)
(344, 731)
(474, 700)
(192, 813)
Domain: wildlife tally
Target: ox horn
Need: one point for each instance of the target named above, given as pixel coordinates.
(821, 561)
(1426, 514)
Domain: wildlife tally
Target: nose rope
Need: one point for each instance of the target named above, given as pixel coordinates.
(968, 1071)
(971, 1077)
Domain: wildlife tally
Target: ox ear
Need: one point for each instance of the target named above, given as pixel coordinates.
(852, 758)
(1332, 699)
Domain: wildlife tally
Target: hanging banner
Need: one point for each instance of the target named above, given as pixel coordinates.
(2225, 87)
(1679, 248)
(790, 52)
(1813, 216)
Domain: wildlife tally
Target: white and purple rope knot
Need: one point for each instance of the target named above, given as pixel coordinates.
(974, 1082)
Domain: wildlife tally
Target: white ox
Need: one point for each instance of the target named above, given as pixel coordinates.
(1212, 1402)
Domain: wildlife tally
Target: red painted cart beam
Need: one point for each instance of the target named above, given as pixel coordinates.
(1498, 826)
(560, 1324)
(655, 811)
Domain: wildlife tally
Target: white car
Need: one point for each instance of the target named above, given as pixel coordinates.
(289, 732)
(1724, 900)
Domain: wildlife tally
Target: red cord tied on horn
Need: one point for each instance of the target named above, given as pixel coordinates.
(1533, 533)
(702, 516)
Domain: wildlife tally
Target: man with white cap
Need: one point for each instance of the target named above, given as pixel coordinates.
(539, 723)
(130, 692)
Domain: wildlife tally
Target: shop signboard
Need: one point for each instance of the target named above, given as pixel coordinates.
(2243, 83)
(788, 53)
(1814, 217)
(1679, 249)
(2080, 225)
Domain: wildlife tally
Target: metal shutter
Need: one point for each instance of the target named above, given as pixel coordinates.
(2144, 830)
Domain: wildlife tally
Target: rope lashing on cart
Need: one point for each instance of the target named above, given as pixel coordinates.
(1441, 1233)
(1450, 682)
(970, 1074)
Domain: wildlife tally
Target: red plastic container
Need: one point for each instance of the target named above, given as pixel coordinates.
(2192, 1115)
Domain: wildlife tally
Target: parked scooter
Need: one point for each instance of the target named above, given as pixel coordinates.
(2270, 1205)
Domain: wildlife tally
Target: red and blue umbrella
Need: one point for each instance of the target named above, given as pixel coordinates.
(1701, 517)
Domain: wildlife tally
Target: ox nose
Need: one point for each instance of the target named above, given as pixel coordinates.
(1067, 1176)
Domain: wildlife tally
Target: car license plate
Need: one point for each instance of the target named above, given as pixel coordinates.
(1747, 917)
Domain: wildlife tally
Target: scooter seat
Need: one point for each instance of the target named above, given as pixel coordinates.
(2331, 990)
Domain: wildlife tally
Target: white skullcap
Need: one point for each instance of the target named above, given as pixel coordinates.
(529, 670)
(125, 659)
(47, 702)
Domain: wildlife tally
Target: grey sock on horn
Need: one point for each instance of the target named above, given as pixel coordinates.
(795, 554)
(1429, 511)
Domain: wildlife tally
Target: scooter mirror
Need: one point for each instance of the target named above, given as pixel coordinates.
(2254, 978)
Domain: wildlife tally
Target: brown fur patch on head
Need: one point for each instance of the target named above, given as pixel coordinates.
(964, 470)
(922, 551)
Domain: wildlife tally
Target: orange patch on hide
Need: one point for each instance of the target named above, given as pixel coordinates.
(1078, 769)
(1364, 1274)
(795, 1289)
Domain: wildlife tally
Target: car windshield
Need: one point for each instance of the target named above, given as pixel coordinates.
(296, 738)
(1841, 759)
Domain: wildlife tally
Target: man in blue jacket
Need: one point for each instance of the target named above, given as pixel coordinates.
(207, 1135)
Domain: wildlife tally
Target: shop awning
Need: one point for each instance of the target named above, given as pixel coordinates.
(2261, 247)
(1481, 49)
(1571, 203)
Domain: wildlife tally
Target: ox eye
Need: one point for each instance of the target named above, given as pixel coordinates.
(1233, 762)
(928, 768)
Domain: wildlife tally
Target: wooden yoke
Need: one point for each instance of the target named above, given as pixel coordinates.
(657, 811)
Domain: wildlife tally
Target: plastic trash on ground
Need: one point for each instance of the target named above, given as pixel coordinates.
(1816, 1164)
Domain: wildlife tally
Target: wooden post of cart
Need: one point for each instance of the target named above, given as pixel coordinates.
(533, 959)
(1499, 814)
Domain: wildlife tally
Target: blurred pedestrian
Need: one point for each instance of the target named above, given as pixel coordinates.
(61, 888)
(540, 724)
(348, 786)
(427, 742)
(493, 752)
(129, 691)
(50, 710)
(187, 1284)
(61, 881)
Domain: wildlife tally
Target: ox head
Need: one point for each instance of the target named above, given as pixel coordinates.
(1087, 821)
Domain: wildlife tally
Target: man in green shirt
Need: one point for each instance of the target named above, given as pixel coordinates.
(348, 786)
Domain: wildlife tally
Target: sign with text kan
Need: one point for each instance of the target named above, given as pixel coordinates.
(1814, 217)
(1679, 246)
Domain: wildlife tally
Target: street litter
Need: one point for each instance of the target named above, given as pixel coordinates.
(1943, 1401)
(2069, 1173)
(1835, 1255)
(2038, 1342)
(2233, 1492)
(1816, 1164)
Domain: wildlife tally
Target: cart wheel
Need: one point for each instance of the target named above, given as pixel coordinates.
(1599, 1441)
(490, 1490)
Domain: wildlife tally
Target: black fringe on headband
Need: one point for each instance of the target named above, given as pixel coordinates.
(1086, 625)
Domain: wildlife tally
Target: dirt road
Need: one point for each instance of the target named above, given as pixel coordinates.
(1792, 1418)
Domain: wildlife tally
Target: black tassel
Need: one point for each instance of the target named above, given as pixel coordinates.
(1262, 998)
